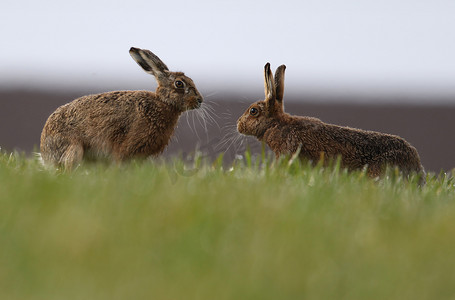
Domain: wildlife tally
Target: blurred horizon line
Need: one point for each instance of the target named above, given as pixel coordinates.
(333, 87)
(252, 93)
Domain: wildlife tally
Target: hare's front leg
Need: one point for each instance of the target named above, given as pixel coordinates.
(72, 156)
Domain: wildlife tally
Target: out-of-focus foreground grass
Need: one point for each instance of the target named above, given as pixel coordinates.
(258, 230)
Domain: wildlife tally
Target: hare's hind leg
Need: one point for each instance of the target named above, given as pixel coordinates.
(375, 170)
(72, 156)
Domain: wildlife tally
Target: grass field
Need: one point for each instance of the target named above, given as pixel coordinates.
(258, 230)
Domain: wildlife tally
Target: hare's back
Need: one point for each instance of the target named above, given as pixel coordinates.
(370, 143)
(100, 107)
(372, 146)
(117, 101)
(98, 112)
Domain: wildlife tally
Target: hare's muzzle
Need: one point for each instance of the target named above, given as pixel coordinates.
(199, 102)
(193, 102)
(240, 126)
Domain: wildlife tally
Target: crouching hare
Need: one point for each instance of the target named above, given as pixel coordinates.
(287, 134)
(120, 125)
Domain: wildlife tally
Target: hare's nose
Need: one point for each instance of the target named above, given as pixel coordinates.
(199, 101)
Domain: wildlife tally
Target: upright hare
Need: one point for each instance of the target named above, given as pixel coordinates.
(120, 125)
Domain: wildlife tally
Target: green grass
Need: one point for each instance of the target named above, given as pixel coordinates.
(258, 230)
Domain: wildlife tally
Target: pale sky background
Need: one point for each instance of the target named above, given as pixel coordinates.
(339, 47)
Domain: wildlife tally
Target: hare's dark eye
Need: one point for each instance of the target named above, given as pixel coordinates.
(254, 111)
(179, 84)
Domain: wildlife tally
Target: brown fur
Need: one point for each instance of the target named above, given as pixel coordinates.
(286, 134)
(120, 125)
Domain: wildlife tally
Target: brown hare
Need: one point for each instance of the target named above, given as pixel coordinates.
(120, 125)
(287, 134)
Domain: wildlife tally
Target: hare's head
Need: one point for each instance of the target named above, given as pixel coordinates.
(260, 115)
(173, 87)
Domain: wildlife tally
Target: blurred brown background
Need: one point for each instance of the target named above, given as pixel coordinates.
(430, 128)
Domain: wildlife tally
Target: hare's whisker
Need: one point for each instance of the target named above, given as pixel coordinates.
(194, 126)
(213, 102)
(188, 122)
(208, 116)
(204, 118)
(210, 110)
(233, 143)
(238, 142)
(201, 118)
(232, 139)
(230, 135)
(230, 127)
(225, 140)
(211, 94)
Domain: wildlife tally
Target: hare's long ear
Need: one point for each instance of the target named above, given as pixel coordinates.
(279, 84)
(269, 86)
(150, 63)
